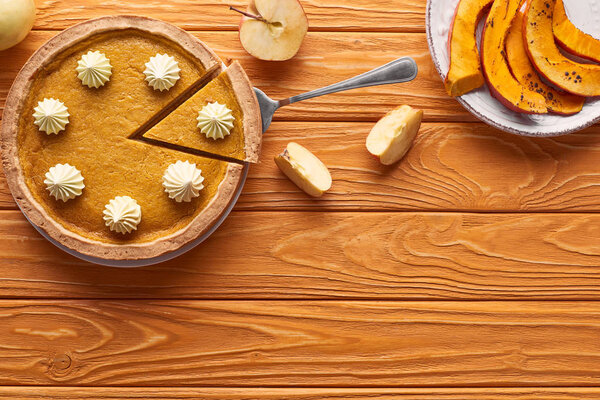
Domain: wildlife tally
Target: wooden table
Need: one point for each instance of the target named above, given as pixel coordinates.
(470, 270)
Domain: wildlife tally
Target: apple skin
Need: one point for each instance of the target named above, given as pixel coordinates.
(16, 20)
(280, 37)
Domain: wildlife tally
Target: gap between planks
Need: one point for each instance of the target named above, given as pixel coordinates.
(300, 392)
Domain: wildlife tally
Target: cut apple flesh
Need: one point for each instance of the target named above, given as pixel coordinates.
(465, 73)
(392, 135)
(571, 38)
(501, 83)
(278, 33)
(525, 73)
(576, 78)
(304, 169)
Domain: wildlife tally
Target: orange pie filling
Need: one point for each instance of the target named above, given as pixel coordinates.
(97, 139)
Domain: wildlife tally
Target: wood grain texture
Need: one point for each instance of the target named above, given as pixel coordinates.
(468, 167)
(231, 343)
(209, 393)
(241, 310)
(325, 58)
(323, 15)
(333, 255)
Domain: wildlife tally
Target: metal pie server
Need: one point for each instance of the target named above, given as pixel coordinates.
(401, 70)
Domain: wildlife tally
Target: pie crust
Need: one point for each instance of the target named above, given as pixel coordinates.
(38, 215)
(249, 104)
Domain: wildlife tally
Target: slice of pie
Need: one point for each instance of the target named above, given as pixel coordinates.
(230, 92)
(71, 158)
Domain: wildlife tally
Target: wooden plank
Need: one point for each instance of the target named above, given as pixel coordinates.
(452, 166)
(325, 58)
(333, 255)
(210, 393)
(323, 15)
(6, 199)
(282, 343)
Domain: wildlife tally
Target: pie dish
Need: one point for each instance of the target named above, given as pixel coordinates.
(104, 139)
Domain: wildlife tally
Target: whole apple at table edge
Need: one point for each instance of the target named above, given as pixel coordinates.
(16, 20)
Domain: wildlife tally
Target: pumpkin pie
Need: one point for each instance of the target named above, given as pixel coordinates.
(72, 121)
(229, 92)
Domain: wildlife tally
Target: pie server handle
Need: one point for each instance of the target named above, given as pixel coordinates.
(400, 70)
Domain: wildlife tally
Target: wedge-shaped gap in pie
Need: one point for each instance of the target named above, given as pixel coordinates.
(208, 76)
(230, 101)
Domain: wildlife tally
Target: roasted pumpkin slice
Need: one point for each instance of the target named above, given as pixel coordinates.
(571, 38)
(557, 101)
(501, 83)
(465, 73)
(576, 78)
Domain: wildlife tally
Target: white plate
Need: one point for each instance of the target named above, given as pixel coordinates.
(155, 260)
(583, 13)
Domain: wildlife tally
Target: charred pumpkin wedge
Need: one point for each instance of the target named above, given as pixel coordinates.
(576, 78)
(465, 72)
(558, 102)
(572, 38)
(501, 83)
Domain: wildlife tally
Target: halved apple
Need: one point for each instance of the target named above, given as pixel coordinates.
(571, 38)
(521, 68)
(576, 78)
(392, 135)
(304, 169)
(465, 73)
(273, 30)
(501, 83)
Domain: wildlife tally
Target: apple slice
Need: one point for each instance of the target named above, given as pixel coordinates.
(392, 135)
(273, 30)
(304, 169)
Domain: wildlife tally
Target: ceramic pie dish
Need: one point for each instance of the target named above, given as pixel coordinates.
(480, 102)
(104, 139)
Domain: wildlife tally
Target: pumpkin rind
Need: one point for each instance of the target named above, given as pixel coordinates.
(465, 72)
(521, 68)
(572, 38)
(576, 78)
(501, 83)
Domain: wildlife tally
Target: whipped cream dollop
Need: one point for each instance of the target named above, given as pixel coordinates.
(215, 120)
(94, 69)
(162, 72)
(183, 181)
(64, 182)
(51, 116)
(122, 214)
